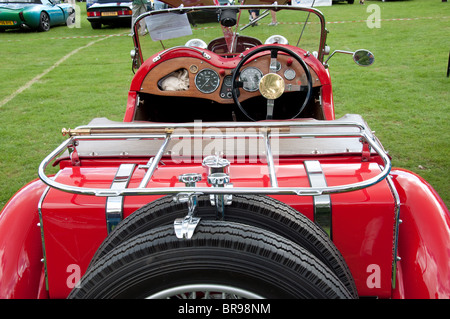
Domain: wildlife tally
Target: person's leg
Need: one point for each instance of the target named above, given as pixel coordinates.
(274, 18)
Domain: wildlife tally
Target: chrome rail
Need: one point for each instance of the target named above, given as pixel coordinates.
(153, 162)
(168, 131)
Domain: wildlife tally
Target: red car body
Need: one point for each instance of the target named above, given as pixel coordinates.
(394, 235)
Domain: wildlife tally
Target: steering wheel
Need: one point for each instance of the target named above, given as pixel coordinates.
(271, 85)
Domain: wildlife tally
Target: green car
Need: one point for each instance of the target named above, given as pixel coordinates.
(37, 15)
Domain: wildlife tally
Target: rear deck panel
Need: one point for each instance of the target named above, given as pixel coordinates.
(362, 221)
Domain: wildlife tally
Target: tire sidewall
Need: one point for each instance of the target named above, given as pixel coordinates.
(221, 253)
(44, 22)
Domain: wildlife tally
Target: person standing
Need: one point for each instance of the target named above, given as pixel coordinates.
(274, 18)
(139, 7)
(254, 14)
(273, 14)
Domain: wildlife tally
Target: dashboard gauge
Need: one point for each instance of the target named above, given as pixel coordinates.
(193, 68)
(250, 77)
(227, 81)
(207, 81)
(289, 74)
(278, 66)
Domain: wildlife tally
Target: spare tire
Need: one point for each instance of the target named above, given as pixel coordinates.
(222, 259)
(259, 211)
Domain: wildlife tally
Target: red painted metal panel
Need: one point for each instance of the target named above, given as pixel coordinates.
(424, 240)
(20, 244)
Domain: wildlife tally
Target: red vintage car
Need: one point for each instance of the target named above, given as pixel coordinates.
(229, 177)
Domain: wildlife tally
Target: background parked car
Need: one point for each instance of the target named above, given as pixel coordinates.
(108, 12)
(349, 1)
(34, 14)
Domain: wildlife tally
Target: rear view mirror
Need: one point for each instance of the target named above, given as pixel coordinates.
(363, 57)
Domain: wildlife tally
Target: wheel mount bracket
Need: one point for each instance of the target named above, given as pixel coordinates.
(185, 227)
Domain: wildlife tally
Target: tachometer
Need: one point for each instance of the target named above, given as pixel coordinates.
(207, 81)
(250, 77)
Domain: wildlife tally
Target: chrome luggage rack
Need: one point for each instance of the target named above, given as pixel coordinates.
(349, 126)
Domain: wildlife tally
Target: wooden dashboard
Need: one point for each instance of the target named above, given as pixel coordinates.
(206, 80)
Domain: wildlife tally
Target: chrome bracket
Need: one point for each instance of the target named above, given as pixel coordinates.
(114, 204)
(322, 203)
(220, 180)
(228, 198)
(185, 227)
(218, 176)
(365, 150)
(73, 154)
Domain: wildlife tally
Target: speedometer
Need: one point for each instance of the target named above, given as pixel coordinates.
(207, 81)
(250, 77)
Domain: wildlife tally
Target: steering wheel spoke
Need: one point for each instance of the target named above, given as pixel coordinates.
(295, 88)
(239, 84)
(273, 60)
(270, 106)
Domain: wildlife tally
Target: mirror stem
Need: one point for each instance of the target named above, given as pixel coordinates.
(337, 51)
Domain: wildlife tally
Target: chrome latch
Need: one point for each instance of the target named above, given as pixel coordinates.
(185, 227)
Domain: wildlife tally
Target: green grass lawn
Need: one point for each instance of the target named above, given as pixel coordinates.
(404, 96)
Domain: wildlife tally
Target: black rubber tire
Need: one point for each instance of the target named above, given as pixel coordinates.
(259, 211)
(96, 25)
(219, 253)
(44, 22)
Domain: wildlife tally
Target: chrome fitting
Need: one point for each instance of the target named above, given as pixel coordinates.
(190, 179)
(216, 164)
(185, 227)
(220, 201)
(218, 179)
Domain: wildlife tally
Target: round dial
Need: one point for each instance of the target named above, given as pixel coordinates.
(289, 74)
(227, 81)
(207, 81)
(250, 77)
